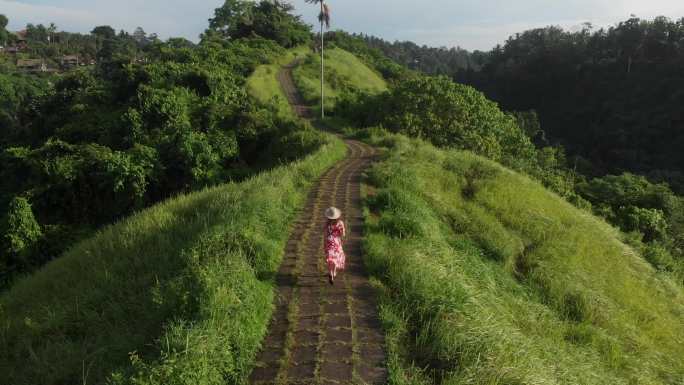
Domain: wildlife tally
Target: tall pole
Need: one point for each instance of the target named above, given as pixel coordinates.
(322, 95)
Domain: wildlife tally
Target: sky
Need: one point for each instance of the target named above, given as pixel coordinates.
(469, 24)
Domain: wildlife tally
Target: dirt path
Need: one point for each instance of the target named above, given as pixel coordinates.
(287, 84)
(323, 334)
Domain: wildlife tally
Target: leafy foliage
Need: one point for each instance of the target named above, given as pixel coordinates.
(17, 91)
(102, 44)
(652, 211)
(20, 232)
(103, 143)
(610, 95)
(447, 114)
(4, 34)
(406, 54)
(271, 20)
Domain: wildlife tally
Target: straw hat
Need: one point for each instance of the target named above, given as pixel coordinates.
(333, 213)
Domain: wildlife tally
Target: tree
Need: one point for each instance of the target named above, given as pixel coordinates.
(104, 32)
(36, 33)
(630, 39)
(140, 36)
(608, 95)
(231, 17)
(20, 232)
(270, 19)
(323, 18)
(448, 114)
(51, 30)
(4, 35)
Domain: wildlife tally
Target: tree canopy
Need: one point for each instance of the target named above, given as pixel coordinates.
(270, 19)
(612, 96)
(96, 144)
(4, 35)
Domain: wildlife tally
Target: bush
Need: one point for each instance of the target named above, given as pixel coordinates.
(445, 113)
(20, 233)
(650, 222)
(659, 256)
(635, 204)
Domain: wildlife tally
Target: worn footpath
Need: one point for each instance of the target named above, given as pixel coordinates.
(322, 333)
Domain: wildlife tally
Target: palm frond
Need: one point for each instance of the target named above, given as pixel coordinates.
(324, 16)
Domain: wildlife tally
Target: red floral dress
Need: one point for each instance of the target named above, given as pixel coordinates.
(334, 254)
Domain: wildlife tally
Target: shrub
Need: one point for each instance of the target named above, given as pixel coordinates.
(659, 256)
(20, 233)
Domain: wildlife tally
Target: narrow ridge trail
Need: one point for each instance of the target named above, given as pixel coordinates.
(322, 333)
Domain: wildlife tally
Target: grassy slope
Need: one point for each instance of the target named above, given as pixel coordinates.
(263, 83)
(184, 286)
(488, 278)
(343, 71)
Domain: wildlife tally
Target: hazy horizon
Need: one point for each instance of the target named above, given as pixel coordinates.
(468, 24)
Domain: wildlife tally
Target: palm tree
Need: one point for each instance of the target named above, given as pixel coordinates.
(324, 18)
(51, 33)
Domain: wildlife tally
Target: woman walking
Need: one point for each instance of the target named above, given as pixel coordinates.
(334, 232)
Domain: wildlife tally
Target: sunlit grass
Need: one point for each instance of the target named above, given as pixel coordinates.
(343, 71)
(488, 278)
(263, 83)
(177, 294)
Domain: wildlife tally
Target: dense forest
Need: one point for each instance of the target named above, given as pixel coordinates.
(612, 96)
(85, 148)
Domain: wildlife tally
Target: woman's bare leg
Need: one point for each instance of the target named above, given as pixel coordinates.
(331, 272)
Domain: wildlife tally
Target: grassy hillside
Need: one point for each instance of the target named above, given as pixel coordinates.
(344, 72)
(263, 83)
(177, 294)
(488, 278)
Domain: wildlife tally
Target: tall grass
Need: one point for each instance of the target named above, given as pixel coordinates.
(488, 278)
(177, 294)
(263, 83)
(343, 71)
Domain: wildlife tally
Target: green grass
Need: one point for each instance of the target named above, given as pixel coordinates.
(488, 278)
(343, 71)
(263, 83)
(177, 294)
